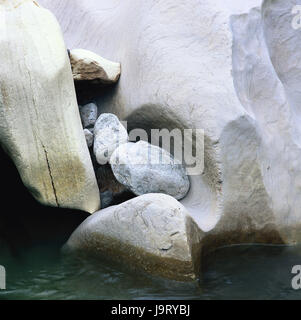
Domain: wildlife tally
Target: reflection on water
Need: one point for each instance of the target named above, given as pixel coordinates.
(239, 272)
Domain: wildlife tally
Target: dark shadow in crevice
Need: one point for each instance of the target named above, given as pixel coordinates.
(23, 221)
(88, 91)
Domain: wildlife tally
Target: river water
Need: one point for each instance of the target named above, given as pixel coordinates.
(237, 272)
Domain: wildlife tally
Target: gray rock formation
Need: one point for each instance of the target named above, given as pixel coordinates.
(144, 168)
(152, 232)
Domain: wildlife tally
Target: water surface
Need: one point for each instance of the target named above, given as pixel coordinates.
(237, 272)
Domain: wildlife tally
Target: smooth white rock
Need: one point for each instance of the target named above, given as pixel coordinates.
(153, 232)
(40, 125)
(109, 134)
(144, 168)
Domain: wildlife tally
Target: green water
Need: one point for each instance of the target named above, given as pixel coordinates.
(241, 272)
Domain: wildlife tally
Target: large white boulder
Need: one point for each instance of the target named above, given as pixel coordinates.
(144, 168)
(226, 66)
(40, 126)
(153, 233)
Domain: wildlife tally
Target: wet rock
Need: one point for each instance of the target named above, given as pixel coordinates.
(153, 232)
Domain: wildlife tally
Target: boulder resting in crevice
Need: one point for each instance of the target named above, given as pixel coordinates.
(153, 232)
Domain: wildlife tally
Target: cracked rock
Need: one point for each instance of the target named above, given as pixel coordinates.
(40, 126)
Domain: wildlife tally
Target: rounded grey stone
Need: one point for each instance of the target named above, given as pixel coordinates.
(144, 168)
(88, 114)
(109, 134)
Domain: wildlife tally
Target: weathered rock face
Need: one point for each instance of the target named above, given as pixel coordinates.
(152, 232)
(88, 66)
(239, 82)
(109, 134)
(144, 168)
(40, 126)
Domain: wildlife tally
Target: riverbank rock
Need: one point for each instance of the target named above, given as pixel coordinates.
(152, 232)
(88, 66)
(88, 114)
(144, 168)
(109, 134)
(40, 126)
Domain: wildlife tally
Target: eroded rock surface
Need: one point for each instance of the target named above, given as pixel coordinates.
(40, 126)
(228, 67)
(152, 232)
